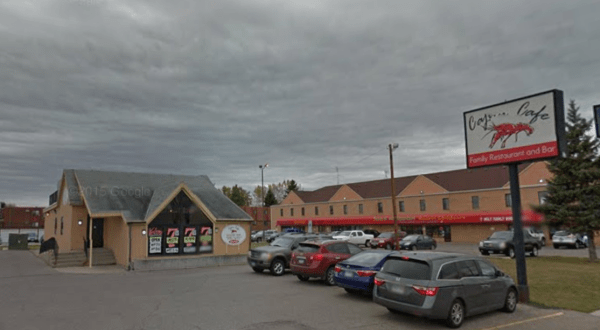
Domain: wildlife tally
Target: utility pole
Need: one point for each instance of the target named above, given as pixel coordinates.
(392, 147)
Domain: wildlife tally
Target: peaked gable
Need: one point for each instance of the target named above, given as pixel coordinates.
(422, 184)
(345, 193)
(292, 198)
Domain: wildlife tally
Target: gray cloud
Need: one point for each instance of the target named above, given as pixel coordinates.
(216, 88)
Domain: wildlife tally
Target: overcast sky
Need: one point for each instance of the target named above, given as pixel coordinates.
(219, 87)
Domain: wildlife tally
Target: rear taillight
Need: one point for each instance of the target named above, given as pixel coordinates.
(338, 269)
(293, 255)
(317, 257)
(404, 258)
(425, 291)
(378, 282)
(366, 273)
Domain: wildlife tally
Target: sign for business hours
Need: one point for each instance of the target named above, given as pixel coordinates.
(233, 235)
(525, 129)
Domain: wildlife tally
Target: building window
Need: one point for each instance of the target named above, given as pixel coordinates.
(302, 211)
(254, 212)
(345, 209)
(331, 209)
(360, 209)
(281, 212)
(475, 202)
(422, 205)
(380, 207)
(445, 203)
(265, 212)
(292, 212)
(266, 223)
(62, 225)
(401, 206)
(507, 200)
(55, 225)
(316, 210)
(542, 195)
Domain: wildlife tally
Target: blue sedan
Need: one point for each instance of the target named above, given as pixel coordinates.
(356, 273)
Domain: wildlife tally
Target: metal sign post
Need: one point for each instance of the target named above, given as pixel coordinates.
(597, 119)
(515, 195)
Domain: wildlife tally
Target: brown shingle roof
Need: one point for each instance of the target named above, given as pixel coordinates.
(457, 180)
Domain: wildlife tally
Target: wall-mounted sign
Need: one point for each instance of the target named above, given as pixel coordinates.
(525, 129)
(206, 239)
(172, 240)
(233, 235)
(189, 240)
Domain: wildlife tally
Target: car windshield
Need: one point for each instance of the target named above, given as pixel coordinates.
(502, 235)
(344, 233)
(366, 259)
(410, 238)
(386, 235)
(283, 242)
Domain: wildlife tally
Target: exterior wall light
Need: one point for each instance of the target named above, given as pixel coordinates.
(144, 232)
(80, 222)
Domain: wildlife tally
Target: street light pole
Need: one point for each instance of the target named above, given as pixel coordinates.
(262, 193)
(392, 147)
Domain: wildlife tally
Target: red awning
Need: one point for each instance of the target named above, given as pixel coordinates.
(502, 217)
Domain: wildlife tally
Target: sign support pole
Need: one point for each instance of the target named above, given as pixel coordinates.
(515, 195)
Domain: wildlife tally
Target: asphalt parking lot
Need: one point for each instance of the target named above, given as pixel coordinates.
(35, 296)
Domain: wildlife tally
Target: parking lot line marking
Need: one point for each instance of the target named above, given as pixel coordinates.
(525, 321)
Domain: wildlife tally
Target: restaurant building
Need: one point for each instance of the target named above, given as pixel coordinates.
(147, 220)
(464, 205)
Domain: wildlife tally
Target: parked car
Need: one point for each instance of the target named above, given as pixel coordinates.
(276, 257)
(272, 236)
(293, 230)
(386, 240)
(32, 237)
(568, 239)
(261, 235)
(440, 285)
(356, 273)
(537, 233)
(503, 242)
(318, 258)
(357, 237)
(373, 232)
(418, 242)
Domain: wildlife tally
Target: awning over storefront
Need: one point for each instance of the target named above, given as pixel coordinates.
(502, 217)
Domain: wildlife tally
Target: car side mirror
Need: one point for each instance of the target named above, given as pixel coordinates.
(499, 273)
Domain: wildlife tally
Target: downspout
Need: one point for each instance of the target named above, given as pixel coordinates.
(130, 265)
(91, 244)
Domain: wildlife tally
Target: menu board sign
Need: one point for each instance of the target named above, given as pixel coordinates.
(172, 240)
(155, 240)
(189, 240)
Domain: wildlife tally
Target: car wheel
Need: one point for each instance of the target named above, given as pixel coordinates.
(485, 253)
(510, 303)
(367, 243)
(555, 246)
(414, 248)
(330, 276)
(511, 252)
(456, 315)
(277, 267)
(577, 245)
(543, 241)
(432, 247)
(534, 251)
(258, 270)
(303, 278)
(388, 246)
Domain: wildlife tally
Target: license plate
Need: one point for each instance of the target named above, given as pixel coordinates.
(252, 263)
(348, 274)
(301, 261)
(398, 289)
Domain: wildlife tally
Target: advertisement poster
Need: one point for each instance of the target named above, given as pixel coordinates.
(172, 240)
(233, 235)
(206, 239)
(155, 240)
(189, 240)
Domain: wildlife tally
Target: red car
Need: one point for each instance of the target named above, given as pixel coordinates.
(318, 259)
(386, 240)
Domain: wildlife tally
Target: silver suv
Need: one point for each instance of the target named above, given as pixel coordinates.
(446, 286)
(537, 233)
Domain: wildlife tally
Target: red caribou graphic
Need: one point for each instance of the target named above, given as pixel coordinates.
(505, 131)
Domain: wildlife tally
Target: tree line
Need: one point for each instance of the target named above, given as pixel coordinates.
(273, 193)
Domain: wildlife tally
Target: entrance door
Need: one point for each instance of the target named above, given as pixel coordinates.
(97, 233)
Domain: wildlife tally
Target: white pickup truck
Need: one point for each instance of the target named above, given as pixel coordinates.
(357, 237)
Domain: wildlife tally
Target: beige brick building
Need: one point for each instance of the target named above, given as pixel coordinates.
(464, 205)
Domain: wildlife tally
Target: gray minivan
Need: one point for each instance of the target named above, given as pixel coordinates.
(442, 285)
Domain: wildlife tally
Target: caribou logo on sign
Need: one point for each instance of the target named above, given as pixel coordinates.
(536, 122)
(233, 235)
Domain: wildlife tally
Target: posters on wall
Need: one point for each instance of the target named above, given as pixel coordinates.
(155, 240)
(172, 240)
(233, 235)
(189, 240)
(206, 239)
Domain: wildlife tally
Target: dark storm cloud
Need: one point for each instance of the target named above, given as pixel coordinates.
(217, 88)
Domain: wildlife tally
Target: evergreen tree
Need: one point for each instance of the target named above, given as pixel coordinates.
(573, 200)
(291, 186)
(237, 194)
(270, 198)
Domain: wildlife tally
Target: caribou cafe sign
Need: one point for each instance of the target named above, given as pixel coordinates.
(525, 129)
